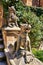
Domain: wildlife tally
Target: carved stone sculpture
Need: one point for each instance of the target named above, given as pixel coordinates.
(12, 18)
(23, 41)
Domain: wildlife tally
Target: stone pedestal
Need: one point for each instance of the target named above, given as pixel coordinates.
(10, 36)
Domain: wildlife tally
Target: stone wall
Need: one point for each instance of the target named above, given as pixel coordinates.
(41, 3)
(33, 2)
(24, 1)
(1, 15)
(27, 2)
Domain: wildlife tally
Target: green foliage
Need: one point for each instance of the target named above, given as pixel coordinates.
(41, 18)
(38, 54)
(25, 15)
(37, 10)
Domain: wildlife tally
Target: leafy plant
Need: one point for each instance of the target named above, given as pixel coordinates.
(38, 54)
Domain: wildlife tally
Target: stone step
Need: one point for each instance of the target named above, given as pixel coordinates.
(1, 47)
(0, 35)
(2, 56)
(0, 31)
(1, 42)
(1, 39)
(3, 63)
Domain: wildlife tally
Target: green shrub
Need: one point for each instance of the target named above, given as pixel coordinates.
(37, 10)
(38, 54)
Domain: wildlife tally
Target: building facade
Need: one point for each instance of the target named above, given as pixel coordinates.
(33, 2)
(41, 3)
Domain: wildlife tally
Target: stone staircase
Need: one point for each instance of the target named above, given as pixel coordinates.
(2, 54)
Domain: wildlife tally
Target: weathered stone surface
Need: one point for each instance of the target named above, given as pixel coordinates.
(1, 47)
(30, 58)
(27, 2)
(33, 2)
(12, 18)
(19, 61)
(33, 60)
(41, 3)
(3, 63)
(13, 28)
